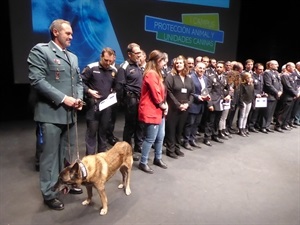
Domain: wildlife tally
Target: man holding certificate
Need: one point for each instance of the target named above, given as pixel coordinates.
(98, 82)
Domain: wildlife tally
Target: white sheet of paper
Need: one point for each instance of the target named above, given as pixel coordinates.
(110, 100)
(261, 102)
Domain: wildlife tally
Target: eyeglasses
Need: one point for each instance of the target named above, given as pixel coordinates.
(136, 53)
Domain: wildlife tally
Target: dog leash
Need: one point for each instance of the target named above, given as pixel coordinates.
(76, 137)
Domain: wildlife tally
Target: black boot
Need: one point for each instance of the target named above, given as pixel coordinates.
(246, 132)
(225, 132)
(241, 132)
(222, 135)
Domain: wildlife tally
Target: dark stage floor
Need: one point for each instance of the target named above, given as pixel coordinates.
(247, 180)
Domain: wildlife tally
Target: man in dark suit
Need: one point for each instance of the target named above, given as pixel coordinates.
(197, 108)
(273, 88)
(218, 89)
(286, 102)
(55, 76)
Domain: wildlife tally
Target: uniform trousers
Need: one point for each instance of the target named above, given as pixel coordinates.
(268, 114)
(212, 124)
(95, 137)
(133, 128)
(58, 144)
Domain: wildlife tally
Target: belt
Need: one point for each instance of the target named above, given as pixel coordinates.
(131, 94)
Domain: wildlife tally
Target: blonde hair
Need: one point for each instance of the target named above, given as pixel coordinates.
(246, 78)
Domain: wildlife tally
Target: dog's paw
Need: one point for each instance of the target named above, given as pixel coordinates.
(121, 186)
(127, 191)
(86, 202)
(103, 212)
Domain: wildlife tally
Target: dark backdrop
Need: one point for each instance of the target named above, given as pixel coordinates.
(266, 32)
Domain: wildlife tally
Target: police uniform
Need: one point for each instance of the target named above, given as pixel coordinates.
(54, 76)
(128, 85)
(272, 85)
(98, 78)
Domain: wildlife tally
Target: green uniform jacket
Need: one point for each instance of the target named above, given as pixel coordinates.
(53, 76)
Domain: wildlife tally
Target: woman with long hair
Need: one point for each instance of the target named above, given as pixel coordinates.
(152, 110)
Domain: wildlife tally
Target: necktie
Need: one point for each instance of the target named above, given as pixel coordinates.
(66, 55)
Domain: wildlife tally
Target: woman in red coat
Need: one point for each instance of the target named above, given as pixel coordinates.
(152, 110)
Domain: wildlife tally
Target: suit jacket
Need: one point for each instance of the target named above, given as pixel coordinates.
(53, 76)
(197, 106)
(218, 90)
(175, 93)
(288, 87)
(272, 84)
(258, 82)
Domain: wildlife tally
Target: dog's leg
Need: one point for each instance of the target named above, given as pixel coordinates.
(101, 191)
(89, 189)
(128, 176)
(123, 172)
(125, 184)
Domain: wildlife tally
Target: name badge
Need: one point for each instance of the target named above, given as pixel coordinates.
(183, 90)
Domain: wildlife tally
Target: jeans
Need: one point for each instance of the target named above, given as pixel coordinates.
(154, 134)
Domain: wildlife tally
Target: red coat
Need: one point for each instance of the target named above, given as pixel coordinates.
(152, 94)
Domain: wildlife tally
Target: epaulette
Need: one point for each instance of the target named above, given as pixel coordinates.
(43, 44)
(124, 65)
(91, 65)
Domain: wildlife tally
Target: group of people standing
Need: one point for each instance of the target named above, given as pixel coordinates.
(163, 105)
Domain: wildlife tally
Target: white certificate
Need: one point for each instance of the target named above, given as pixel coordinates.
(261, 102)
(110, 100)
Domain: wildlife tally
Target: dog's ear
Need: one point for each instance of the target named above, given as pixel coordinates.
(75, 168)
(75, 171)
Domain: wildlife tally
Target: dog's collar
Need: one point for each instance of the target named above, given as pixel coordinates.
(82, 168)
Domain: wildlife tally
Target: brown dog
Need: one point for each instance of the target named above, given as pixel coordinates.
(96, 170)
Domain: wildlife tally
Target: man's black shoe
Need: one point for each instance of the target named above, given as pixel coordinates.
(252, 129)
(75, 191)
(216, 139)
(269, 130)
(160, 163)
(207, 142)
(292, 125)
(187, 146)
(222, 136)
(263, 130)
(179, 153)
(278, 129)
(194, 144)
(285, 128)
(55, 204)
(232, 130)
(112, 141)
(145, 168)
(172, 155)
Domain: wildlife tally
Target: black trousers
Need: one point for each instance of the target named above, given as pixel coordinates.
(112, 121)
(175, 122)
(283, 112)
(191, 127)
(95, 137)
(212, 124)
(268, 113)
(133, 128)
